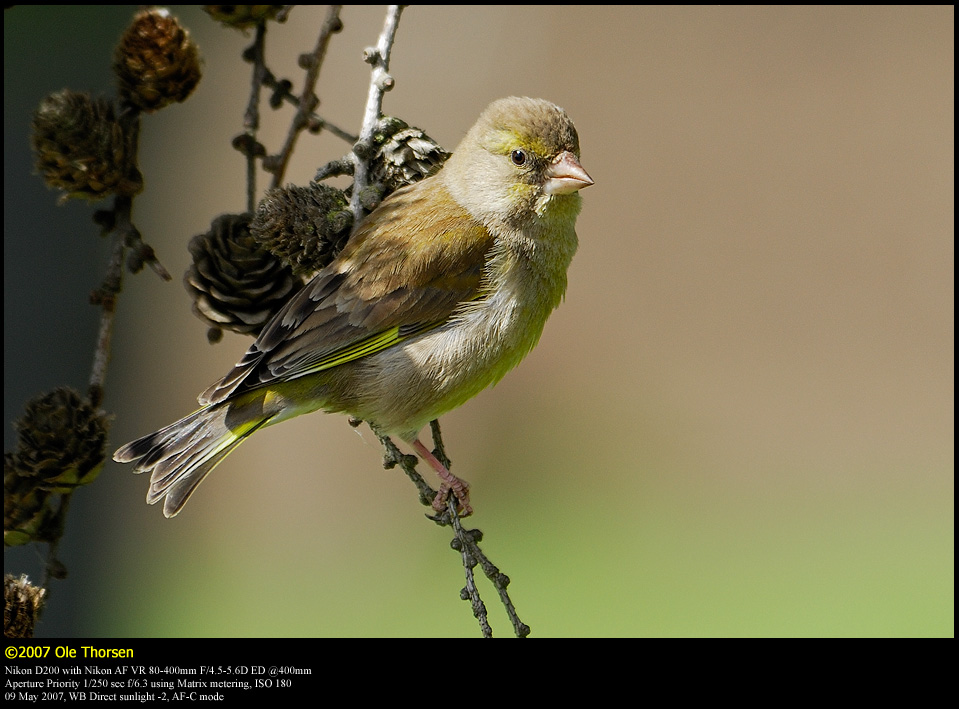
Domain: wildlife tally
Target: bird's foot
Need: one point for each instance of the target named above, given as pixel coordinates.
(460, 489)
(451, 484)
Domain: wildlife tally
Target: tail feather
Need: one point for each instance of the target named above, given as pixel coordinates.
(179, 456)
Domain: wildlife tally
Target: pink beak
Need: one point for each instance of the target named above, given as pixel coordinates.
(565, 175)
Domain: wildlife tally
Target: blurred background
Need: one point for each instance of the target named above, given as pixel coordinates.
(739, 423)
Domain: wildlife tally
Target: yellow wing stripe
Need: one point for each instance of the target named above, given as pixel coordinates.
(365, 347)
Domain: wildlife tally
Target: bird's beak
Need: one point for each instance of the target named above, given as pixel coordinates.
(565, 175)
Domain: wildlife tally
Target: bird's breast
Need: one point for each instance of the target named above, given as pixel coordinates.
(404, 387)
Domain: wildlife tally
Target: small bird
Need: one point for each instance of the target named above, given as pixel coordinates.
(441, 290)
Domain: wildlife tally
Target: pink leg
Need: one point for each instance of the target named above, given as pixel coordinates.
(459, 487)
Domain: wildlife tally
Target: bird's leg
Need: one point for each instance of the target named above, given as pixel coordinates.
(451, 483)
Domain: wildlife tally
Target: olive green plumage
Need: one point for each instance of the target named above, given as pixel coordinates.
(442, 289)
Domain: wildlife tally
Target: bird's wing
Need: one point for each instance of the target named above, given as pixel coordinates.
(413, 261)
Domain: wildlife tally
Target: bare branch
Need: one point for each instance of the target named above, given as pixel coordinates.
(308, 100)
(380, 83)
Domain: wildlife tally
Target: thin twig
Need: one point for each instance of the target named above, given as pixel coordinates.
(499, 580)
(54, 568)
(439, 449)
(308, 100)
(251, 118)
(106, 298)
(394, 456)
(466, 541)
(469, 592)
(380, 83)
(314, 121)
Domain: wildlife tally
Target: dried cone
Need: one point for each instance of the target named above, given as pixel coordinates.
(235, 282)
(29, 512)
(61, 440)
(156, 62)
(82, 149)
(405, 155)
(242, 16)
(304, 226)
(22, 602)
(61, 444)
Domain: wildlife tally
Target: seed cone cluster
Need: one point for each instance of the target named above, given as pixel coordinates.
(82, 149)
(404, 155)
(242, 16)
(236, 283)
(304, 226)
(156, 62)
(61, 445)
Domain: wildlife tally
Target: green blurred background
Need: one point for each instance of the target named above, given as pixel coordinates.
(739, 423)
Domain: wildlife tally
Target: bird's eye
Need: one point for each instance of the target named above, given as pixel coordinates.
(518, 157)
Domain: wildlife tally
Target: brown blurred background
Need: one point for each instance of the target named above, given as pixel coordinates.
(739, 423)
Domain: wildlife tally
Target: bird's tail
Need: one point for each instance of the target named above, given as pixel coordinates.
(179, 456)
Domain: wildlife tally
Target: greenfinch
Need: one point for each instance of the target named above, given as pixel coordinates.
(441, 290)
